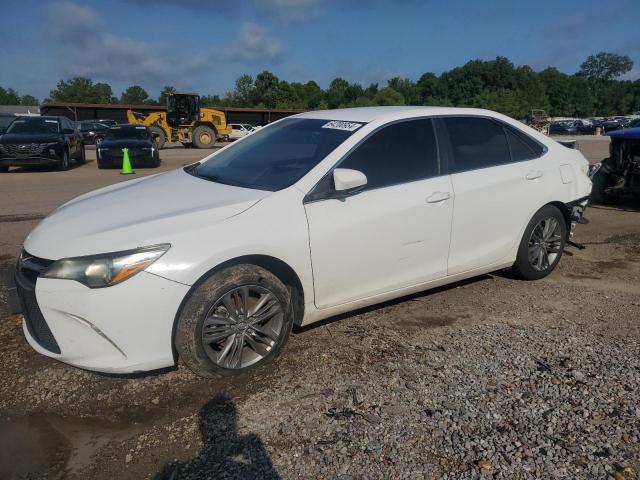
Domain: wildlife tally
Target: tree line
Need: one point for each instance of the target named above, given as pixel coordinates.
(595, 90)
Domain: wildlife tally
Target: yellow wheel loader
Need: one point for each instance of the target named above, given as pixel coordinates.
(184, 122)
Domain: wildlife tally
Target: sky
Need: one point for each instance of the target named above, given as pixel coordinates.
(204, 45)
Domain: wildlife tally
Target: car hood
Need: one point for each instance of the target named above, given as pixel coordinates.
(137, 213)
(125, 142)
(630, 133)
(25, 138)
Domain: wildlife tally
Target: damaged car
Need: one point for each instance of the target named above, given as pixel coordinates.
(619, 175)
(315, 215)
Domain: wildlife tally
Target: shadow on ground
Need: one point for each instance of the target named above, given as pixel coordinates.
(224, 453)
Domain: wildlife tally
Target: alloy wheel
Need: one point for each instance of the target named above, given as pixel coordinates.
(545, 244)
(242, 326)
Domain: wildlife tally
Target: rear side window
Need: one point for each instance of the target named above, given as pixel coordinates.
(476, 143)
(522, 147)
(400, 153)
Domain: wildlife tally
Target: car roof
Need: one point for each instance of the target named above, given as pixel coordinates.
(370, 114)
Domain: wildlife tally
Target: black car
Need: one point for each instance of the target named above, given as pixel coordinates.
(136, 138)
(5, 121)
(107, 122)
(572, 127)
(47, 140)
(93, 132)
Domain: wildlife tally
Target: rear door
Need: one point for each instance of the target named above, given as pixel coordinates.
(498, 181)
(395, 233)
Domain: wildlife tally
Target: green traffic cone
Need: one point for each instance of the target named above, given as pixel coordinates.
(126, 163)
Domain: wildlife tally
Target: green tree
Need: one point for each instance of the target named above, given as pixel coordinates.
(336, 93)
(28, 100)
(81, 90)
(313, 95)
(162, 99)
(266, 89)
(388, 96)
(244, 91)
(134, 95)
(9, 97)
(605, 66)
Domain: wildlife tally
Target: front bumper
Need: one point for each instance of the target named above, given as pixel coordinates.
(126, 328)
(30, 161)
(138, 158)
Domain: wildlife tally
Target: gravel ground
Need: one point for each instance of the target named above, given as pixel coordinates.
(488, 378)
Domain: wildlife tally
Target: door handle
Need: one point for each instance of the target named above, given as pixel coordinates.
(533, 174)
(438, 197)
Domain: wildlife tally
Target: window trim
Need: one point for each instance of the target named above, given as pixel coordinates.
(504, 125)
(313, 196)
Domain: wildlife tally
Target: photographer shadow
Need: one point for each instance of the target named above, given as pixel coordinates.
(224, 453)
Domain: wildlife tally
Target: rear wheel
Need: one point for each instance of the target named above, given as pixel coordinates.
(204, 136)
(158, 135)
(542, 244)
(4, 169)
(236, 320)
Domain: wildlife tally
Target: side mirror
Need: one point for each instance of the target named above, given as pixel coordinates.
(348, 181)
(68, 131)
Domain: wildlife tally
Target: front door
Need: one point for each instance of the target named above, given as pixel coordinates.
(396, 232)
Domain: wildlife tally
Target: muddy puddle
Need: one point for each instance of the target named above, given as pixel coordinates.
(52, 446)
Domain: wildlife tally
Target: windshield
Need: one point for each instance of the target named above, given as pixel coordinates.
(277, 156)
(119, 133)
(33, 125)
(5, 121)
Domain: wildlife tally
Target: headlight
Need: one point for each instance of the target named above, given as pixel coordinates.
(97, 271)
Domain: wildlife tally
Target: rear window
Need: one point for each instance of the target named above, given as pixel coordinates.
(522, 147)
(121, 133)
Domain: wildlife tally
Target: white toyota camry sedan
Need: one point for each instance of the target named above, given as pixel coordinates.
(315, 215)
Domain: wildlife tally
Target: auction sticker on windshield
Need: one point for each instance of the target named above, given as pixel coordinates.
(340, 125)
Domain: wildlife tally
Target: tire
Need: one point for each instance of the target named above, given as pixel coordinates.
(156, 162)
(204, 136)
(82, 159)
(158, 136)
(4, 169)
(64, 165)
(208, 359)
(545, 250)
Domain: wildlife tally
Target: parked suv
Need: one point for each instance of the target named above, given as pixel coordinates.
(47, 140)
(213, 262)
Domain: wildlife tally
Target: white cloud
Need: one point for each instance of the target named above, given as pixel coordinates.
(85, 47)
(254, 43)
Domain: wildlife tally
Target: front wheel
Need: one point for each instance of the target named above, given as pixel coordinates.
(204, 136)
(64, 164)
(82, 158)
(238, 319)
(542, 244)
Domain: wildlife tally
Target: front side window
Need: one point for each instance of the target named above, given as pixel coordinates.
(400, 153)
(476, 143)
(277, 156)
